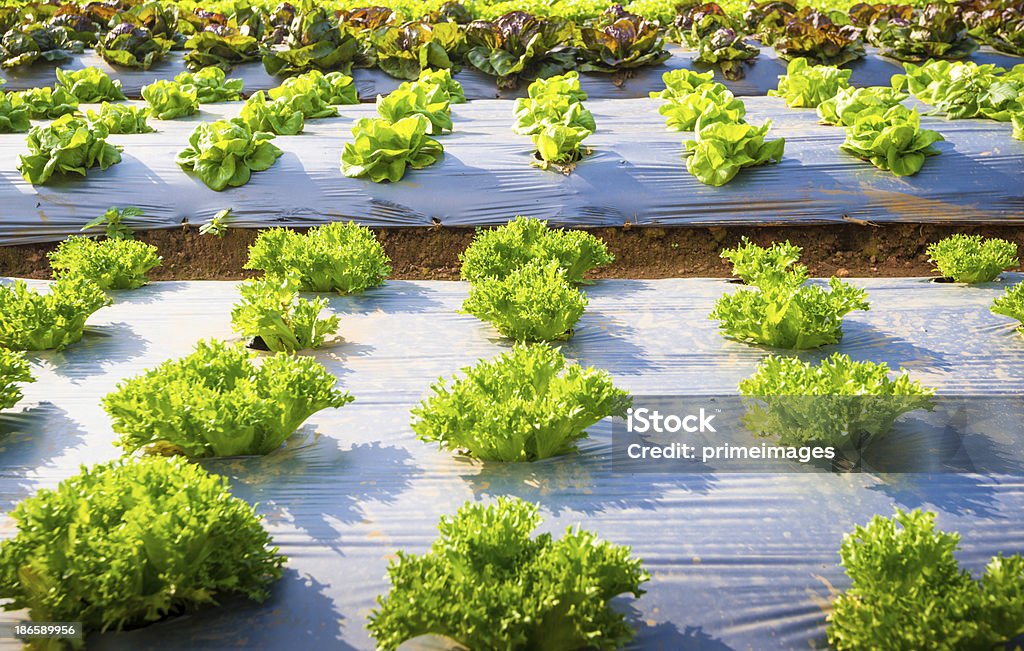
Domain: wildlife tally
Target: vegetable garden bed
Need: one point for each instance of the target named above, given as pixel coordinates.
(737, 560)
(726, 191)
(635, 174)
(760, 75)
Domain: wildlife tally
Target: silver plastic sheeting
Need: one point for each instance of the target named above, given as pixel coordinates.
(761, 75)
(737, 560)
(636, 174)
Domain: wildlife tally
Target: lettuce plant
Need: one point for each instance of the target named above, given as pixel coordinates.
(25, 45)
(781, 310)
(216, 402)
(313, 42)
(556, 100)
(34, 321)
(559, 145)
(1011, 304)
(212, 85)
(972, 258)
(709, 104)
(811, 34)
(805, 85)
(840, 402)
(1017, 119)
(682, 82)
(406, 51)
(542, 593)
(728, 50)
(383, 150)
(225, 154)
(132, 47)
(279, 117)
(270, 311)
(996, 23)
(144, 539)
(893, 141)
(414, 99)
(907, 590)
(520, 46)
(222, 48)
(720, 150)
(45, 103)
(935, 31)
(111, 264)
(120, 118)
(497, 252)
(68, 145)
(443, 79)
(964, 89)
(13, 370)
(338, 257)
(90, 85)
(755, 264)
(169, 100)
(525, 405)
(849, 103)
(696, 20)
(13, 119)
(620, 41)
(535, 302)
(316, 94)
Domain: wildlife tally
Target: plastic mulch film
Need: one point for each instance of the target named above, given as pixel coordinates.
(761, 75)
(635, 174)
(737, 560)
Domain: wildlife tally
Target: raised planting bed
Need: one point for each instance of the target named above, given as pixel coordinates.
(635, 174)
(736, 560)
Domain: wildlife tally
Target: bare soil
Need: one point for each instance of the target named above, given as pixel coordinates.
(640, 252)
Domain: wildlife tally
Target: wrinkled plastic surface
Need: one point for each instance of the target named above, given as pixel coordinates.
(761, 75)
(636, 174)
(737, 560)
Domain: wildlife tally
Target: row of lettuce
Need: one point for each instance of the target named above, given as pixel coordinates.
(510, 46)
(879, 127)
(524, 280)
(158, 521)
